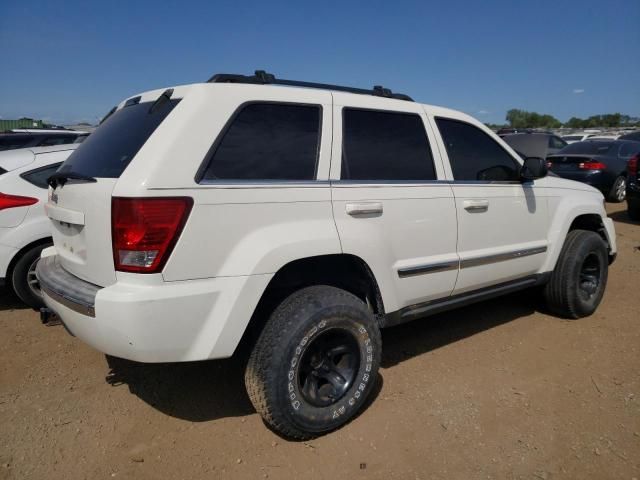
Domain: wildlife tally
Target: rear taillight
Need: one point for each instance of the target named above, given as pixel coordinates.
(12, 201)
(144, 231)
(632, 166)
(592, 166)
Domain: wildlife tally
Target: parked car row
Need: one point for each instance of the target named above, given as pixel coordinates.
(39, 137)
(597, 160)
(599, 163)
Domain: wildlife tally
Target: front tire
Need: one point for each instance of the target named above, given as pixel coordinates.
(618, 190)
(315, 362)
(578, 282)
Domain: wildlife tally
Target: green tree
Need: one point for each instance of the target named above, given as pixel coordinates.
(523, 119)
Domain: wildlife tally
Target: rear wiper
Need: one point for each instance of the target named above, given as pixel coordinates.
(60, 178)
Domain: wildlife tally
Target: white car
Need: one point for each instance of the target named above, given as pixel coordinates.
(303, 218)
(577, 137)
(24, 228)
(612, 136)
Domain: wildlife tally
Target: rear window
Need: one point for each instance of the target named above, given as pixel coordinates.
(108, 150)
(588, 148)
(573, 137)
(13, 141)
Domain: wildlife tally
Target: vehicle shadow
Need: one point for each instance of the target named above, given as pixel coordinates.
(9, 300)
(623, 217)
(205, 391)
(194, 391)
(424, 335)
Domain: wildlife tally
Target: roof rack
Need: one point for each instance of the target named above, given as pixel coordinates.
(263, 78)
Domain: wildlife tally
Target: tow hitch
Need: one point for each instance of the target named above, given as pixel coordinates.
(48, 317)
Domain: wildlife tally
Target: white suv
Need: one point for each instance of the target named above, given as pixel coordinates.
(306, 216)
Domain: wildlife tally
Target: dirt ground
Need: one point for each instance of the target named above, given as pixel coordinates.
(496, 390)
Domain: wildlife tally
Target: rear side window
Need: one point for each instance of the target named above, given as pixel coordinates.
(474, 155)
(556, 142)
(268, 141)
(379, 145)
(39, 176)
(108, 150)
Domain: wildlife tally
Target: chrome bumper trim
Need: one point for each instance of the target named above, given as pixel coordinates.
(65, 288)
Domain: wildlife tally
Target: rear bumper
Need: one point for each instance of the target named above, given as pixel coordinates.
(633, 191)
(597, 179)
(161, 322)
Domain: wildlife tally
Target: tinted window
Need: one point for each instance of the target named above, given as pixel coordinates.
(268, 141)
(57, 140)
(631, 136)
(629, 149)
(556, 142)
(108, 150)
(588, 147)
(385, 146)
(474, 155)
(13, 141)
(39, 176)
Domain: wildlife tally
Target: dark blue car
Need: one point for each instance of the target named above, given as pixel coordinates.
(599, 163)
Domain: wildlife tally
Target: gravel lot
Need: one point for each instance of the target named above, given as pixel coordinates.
(496, 390)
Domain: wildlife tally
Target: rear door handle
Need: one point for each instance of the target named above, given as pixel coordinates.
(365, 208)
(476, 206)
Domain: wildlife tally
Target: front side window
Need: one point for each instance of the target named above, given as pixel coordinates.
(380, 145)
(268, 141)
(474, 155)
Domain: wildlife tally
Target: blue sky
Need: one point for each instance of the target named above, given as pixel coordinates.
(69, 61)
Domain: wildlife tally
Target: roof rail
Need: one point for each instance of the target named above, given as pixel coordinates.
(263, 78)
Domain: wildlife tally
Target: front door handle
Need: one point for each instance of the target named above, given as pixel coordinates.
(476, 206)
(365, 208)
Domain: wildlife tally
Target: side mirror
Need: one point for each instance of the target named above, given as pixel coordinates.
(533, 167)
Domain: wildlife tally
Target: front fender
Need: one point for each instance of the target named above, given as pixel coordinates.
(564, 210)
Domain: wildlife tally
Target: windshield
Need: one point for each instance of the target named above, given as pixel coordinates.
(107, 151)
(587, 148)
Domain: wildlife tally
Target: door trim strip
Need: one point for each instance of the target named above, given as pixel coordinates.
(467, 263)
(501, 257)
(429, 268)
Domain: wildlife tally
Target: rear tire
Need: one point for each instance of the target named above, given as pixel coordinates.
(23, 278)
(618, 190)
(578, 282)
(315, 363)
